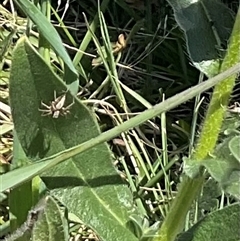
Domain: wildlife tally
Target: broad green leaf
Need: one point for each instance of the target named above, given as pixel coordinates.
(224, 168)
(207, 26)
(220, 169)
(220, 225)
(225, 171)
(50, 34)
(47, 221)
(224, 149)
(87, 184)
(51, 224)
(29, 189)
(234, 146)
(232, 186)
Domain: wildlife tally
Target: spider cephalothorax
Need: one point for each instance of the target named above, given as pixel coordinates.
(56, 106)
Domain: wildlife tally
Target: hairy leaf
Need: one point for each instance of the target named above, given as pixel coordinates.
(87, 184)
(207, 26)
(220, 225)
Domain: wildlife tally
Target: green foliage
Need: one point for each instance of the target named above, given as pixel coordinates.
(47, 221)
(51, 35)
(50, 218)
(219, 225)
(233, 147)
(97, 186)
(223, 166)
(68, 151)
(206, 33)
(208, 136)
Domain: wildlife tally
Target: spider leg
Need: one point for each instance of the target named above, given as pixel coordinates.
(235, 105)
(69, 106)
(45, 112)
(45, 105)
(64, 112)
(55, 95)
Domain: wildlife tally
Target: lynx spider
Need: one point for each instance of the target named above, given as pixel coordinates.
(56, 106)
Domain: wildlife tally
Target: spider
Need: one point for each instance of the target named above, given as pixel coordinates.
(56, 107)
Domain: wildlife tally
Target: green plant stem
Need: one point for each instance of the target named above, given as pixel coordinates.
(175, 219)
(146, 115)
(44, 164)
(190, 188)
(220, 99)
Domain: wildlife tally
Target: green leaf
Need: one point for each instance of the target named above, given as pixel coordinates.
(51, 225)
(50, 34)
(5, 44)
(141, 227)
(220, 225)
(191, 167)
(234, 146)
(19, 194)
(226, 173)
(224, 167)
(224, 149)
(46, 221)
(231, 124)
(209, 197)
(220, 169)
(233, 185)
(207, 201)
(206, 31)
(87, 184)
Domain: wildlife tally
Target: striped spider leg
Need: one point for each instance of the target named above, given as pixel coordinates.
(56, 107)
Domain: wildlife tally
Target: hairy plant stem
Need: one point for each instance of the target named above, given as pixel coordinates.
(175, 219)
(190, 188)
(39, 167)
